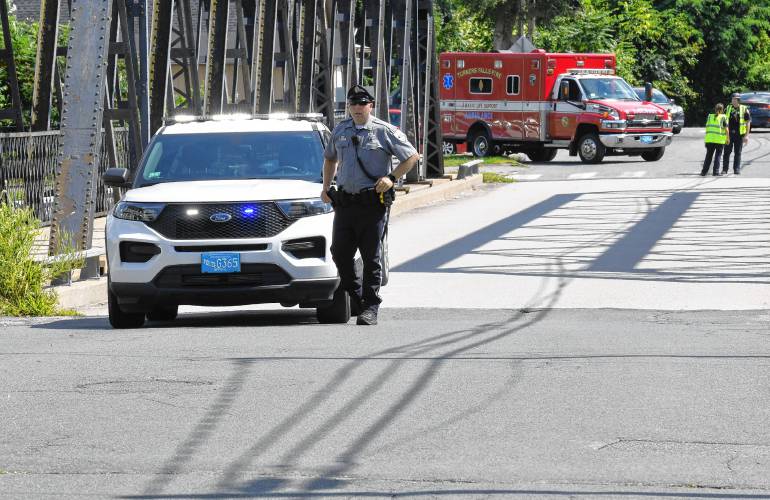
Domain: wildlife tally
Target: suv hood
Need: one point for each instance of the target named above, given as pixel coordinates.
(225, 191)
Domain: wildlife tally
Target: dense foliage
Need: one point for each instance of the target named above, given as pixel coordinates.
(697, 51)
(24, 42)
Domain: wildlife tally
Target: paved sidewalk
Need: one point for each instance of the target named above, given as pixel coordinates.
(82, 295)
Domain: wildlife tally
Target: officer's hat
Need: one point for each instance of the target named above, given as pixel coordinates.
(359, 95)
(736, 95)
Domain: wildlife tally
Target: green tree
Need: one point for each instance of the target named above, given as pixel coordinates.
(24, 44)
(736, 48)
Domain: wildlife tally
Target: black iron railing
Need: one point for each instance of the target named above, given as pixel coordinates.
(28, 170)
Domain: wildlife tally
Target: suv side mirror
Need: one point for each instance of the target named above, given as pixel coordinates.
(116, 177)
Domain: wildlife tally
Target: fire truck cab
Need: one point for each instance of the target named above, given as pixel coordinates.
(539, 102)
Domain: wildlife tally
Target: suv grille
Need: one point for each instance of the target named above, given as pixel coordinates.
(264, 221)
(190, 275)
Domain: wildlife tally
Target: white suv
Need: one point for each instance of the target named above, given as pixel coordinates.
(223, 212)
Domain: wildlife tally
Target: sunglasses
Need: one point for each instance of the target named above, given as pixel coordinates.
(358, 102)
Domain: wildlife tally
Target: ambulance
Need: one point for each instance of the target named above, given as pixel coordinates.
(539, 102)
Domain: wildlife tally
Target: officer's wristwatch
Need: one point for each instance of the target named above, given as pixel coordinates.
(392, 178)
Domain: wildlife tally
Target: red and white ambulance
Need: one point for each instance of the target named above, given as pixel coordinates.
(538, 102)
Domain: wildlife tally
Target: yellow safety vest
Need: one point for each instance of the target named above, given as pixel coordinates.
(716, 129)
(742, 113)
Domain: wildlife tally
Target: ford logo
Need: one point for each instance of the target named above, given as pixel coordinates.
(220, 217)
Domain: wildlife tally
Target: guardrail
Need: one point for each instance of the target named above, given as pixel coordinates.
(28, 170)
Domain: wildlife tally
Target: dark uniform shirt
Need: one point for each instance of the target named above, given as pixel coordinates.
(735, 121)
(378, 141)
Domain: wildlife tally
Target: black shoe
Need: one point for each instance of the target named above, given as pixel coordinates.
(703, 174)
(717, 174)
(724, 172)
(367, 317)
(737, 172)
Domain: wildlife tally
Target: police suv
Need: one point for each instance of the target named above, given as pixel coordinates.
(224, 211)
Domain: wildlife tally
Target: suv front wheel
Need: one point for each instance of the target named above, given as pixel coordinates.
(338, 311)
(118, 318)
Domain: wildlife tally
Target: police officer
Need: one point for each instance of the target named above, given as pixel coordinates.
(362, 146)
(739, 120)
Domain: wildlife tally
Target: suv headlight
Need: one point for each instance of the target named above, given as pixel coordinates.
(295, 209)
(144, 212)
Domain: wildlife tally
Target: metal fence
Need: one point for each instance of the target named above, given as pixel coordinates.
(28, 170)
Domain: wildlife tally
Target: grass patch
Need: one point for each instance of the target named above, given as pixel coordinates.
(490, 177)
(457, 160)
(23, 280)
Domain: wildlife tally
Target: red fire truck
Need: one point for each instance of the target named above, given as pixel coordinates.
(539, 102)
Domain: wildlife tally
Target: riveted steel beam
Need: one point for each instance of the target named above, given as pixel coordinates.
(45, 62)
(215, 61)
(160, 52)
(323, 90)
(264, 61)
(80, 137)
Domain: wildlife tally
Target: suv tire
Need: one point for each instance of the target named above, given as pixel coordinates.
(654, 155)
(163, 313)
(118, 318)
(338, 311)
(590, 148)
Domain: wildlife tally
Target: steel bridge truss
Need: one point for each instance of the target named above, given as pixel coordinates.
(207, 57)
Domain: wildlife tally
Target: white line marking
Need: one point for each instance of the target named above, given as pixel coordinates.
(526, 177)
(638, 173)
(585, 175)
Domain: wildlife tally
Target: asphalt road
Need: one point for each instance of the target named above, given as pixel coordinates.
(596, 337)
(434, 403)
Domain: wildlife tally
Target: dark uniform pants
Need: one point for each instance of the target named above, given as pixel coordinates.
(359, 226)
(736, 142)
(712, 151)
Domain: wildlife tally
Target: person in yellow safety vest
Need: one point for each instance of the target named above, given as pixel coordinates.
(717, 135)
(739, 121)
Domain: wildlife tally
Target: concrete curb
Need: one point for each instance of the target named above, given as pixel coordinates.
(438, 192)
(91, 292)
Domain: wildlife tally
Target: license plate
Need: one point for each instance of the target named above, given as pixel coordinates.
(220, 262)
(647, 139)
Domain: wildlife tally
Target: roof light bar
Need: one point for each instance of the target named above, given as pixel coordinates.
(315, 117)
(591, 71)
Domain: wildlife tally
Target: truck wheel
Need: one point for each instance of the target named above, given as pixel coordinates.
(654, 155)
(336, 312)
(448, 148)
(480, 144)
(590, 148)
(163, 313)
(120, 319)
(542, 154)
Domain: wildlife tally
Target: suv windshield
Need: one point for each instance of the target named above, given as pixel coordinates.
(658, 97)
(608, 88)
(241, 155)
